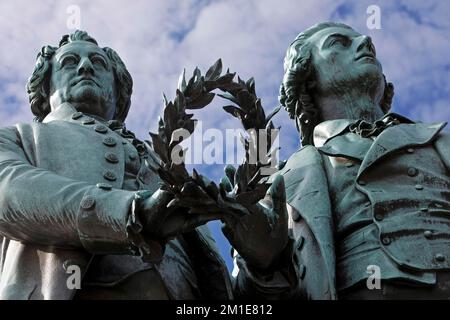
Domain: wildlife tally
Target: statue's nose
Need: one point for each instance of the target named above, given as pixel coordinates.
(365, 42)
(85, 66)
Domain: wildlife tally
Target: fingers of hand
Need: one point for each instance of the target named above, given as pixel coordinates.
(225, 184)
(230, 172)
(278, 194)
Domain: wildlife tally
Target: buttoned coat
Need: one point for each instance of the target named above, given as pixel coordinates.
(309, 206)
(61, 202)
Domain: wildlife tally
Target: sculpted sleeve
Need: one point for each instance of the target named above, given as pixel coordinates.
(278, 283)
(40, 207)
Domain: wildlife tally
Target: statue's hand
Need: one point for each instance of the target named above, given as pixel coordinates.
(164, 223)
(261, 236)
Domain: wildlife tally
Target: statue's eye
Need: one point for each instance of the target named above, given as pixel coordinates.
(343, 41)
(69, 61)
(99, 61)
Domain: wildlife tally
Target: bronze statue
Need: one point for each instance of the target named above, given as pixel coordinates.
(77, 189)
(368, 187)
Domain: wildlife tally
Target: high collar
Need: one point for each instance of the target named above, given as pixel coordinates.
(66, 111)
(329, 129)
(63, 113)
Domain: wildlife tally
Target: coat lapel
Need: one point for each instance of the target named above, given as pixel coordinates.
(348, 145)
(307, 191)
(398, 137)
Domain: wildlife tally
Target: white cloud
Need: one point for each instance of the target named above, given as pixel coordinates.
(157, 39)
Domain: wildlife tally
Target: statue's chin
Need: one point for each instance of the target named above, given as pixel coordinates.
(85, 94)
(364, 78)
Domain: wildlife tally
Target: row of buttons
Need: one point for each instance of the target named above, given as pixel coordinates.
(412, 172)
(439, 257)
(302, 268)
(428, 234)
(108, 141)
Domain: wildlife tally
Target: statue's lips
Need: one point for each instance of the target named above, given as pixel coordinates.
(365, 55)
(85, 80)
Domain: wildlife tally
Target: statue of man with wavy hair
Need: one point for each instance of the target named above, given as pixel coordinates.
(369, 191)
(82, 214)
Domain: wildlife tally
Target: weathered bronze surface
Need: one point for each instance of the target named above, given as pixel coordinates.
(369, 188)
(80, 195)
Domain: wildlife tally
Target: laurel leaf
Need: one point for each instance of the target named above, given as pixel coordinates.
(160, 147)
(182, 81)
(214, 71)
(200, 101)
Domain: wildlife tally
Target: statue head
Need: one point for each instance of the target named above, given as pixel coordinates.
(326, 61)
(93, 79)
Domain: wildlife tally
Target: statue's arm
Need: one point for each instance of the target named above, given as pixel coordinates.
(40, 207)
(276, 284)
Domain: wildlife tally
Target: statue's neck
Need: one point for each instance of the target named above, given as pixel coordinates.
(349, 106)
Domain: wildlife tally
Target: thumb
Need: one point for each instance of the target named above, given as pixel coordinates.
(278, 194)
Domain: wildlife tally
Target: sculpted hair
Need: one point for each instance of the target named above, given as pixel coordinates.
(298, 83)
(38, 86)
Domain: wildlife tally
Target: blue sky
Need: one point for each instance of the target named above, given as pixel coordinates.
(158, 38)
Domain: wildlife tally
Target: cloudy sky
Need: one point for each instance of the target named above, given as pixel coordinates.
(157, 39)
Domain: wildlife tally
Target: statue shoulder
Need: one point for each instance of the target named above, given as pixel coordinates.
(17, 131)
(303, 157)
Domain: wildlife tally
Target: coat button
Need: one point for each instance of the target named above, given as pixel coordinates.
(104, 186)
(111, 157)
(428, 234)
(439, 257)
(295, 216)
(299, 243)
(349, 164)
(386, 240)
(77, 115)
(88, 202)
(410, 150)
(109, 175)
(109, 141)
(379, 216)
(88, 121)
(101, 128)
(418, 187)
(412, 172)
(302, 271)
(132, 156)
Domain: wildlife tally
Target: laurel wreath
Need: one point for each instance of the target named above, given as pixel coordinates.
(245, 180)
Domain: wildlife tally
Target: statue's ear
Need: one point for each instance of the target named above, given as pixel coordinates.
(388, 95)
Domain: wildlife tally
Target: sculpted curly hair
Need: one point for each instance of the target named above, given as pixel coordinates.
(298, 81)
(38, 85)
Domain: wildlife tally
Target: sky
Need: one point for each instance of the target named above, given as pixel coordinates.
(157, 39)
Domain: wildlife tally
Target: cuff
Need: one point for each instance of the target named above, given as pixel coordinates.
(149, 250)
(278, 282)
(102, 220)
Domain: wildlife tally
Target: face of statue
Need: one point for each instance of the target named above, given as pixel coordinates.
(345, 61)
(82, 75)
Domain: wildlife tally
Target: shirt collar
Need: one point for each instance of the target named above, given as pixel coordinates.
(64, 112)
(326, 130)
